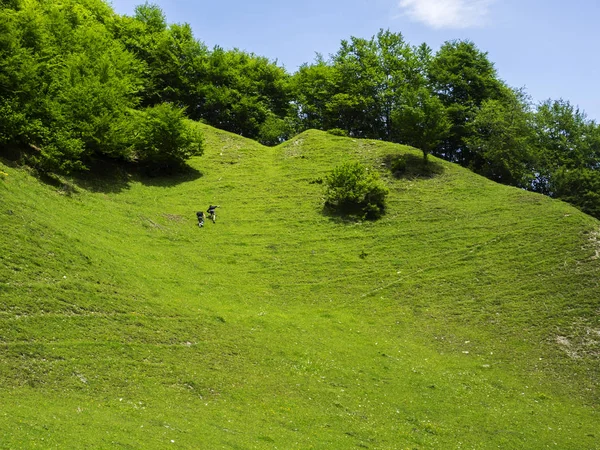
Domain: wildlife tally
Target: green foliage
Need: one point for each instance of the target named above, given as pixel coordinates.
(503, 142)
(274, 131)
(411, 167)
(374, 75)
(73, 87)
(15, 125)
(239, 92)
(172, 57)
(352, 189)
(230, 89)
(580, 187)
(68, 82)
(361, 88)
(338, 132)
(62, 152)
(93, 89)
(565, 136)
(463, 77)
(568, 159)
(19, 75)
(313, 86)
(463, 74)
(152, 16)
(162, 138)
(423, 121)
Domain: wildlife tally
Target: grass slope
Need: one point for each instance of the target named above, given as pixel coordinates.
(466, 318)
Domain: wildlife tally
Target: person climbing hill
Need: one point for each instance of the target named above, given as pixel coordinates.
(211, 212)
(200, 216)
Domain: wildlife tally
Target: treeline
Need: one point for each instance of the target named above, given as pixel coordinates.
(452, 104)
(72, 90)
(79, 81)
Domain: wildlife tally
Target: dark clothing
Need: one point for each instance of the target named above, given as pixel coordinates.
(200, 216)
(211, 212)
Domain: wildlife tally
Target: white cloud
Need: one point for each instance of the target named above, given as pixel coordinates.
(447, 13)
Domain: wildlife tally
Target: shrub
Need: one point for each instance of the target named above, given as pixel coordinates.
(338, 132)
(352, 189)
(62, 153)
(163, 138)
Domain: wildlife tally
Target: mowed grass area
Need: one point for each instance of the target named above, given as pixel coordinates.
(468, 317)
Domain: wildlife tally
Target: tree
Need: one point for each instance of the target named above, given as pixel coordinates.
(20, 76)
(239, 91)
(502, 145)
(274, 131)
(373, 79)
(67, 82)
(463, 78)
(172, 57)
(152, 16)
(360, 87)
(580, 187)
(568, 162)
(312, 87)
(565, 135)
(422, 121)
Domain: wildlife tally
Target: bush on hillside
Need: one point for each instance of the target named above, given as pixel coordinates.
(163, 138)
(338, 132)
(354, 190)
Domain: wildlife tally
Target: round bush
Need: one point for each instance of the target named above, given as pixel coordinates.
(338, 132)
(163, 137)
(352, 189)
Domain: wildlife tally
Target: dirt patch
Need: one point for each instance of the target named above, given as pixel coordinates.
(147, 222)
(173, 217)
(595, 243)
(294, 150)
(582, 341)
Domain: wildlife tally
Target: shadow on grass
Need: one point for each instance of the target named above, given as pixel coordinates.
(167, 177)
(339, 217)
(412, 166)
(10, 155)
(105, 175)
(112, 176)
(348, 216)
(16, 156)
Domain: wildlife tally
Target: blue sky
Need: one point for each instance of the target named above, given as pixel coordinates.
(549, 47)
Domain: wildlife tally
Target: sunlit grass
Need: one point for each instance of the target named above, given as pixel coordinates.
(467, 317)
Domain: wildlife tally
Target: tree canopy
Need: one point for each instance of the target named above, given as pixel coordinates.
(452, 104)
(69, 83)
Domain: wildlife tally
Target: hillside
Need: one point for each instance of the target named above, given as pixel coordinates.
(467, 317)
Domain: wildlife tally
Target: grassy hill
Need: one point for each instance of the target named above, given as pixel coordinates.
(468, 317)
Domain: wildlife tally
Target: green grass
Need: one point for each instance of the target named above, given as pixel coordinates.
(467, 317)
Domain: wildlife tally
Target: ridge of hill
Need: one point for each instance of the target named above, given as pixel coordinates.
(467, 317)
